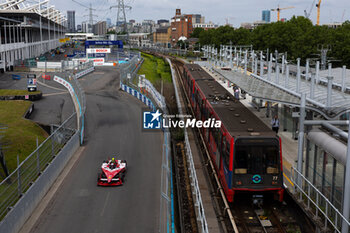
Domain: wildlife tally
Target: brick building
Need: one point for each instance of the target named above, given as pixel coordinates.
(181, 26)
(162, 36)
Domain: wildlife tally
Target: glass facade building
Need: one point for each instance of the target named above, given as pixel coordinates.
(266, 16)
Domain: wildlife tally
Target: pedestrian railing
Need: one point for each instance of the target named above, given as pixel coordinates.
(317, 203)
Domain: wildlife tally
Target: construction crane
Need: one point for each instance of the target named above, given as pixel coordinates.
(318, 5)
(307, 14)
(278, 9)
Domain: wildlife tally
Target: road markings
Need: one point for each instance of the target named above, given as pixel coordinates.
(45, 85)
(57, 93)
(288, 179)
(105, 204)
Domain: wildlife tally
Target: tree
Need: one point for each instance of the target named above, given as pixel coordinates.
(196, 32)
(297, 36)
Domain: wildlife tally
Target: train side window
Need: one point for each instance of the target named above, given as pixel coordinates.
(226, 151)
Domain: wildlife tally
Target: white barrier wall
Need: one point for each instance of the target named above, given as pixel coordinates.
(49, 65)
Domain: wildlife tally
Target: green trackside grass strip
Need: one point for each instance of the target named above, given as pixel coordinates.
(155, 69)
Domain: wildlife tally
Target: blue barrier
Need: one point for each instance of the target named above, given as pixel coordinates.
(138, 95)
(16, 77)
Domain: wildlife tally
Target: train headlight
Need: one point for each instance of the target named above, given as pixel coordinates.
(238, 182)
(274, 182)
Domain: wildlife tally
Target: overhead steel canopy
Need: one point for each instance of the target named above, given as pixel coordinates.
(284, 90)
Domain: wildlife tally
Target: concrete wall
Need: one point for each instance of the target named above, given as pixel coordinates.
(15, 219)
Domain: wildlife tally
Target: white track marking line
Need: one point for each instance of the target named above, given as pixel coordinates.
(105, 204)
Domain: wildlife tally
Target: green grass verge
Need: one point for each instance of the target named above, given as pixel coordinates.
(11, 92)
(155, 69)
(20, 133)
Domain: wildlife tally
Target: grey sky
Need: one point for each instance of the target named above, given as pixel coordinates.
(215, 11)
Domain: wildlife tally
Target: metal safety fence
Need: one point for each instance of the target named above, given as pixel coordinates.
(318, 203)
(128, 73)
(71, 76)
(15, 185)
(168, 51)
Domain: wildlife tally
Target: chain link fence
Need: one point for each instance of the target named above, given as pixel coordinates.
(16, 184)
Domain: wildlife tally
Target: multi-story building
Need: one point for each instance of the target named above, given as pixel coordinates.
(197, 18)
(79, 28)
(100, 28)
(205, 26)
(181, 26)
(162, 36)
(253, 25)
(266, 16)
(140, 39)
(108, 22)
(85, 27)
(163, 23)
(71, 21)
(25, 34)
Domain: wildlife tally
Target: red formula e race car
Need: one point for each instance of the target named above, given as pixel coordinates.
(113, 173)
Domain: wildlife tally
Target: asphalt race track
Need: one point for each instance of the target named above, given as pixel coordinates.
(113, 126)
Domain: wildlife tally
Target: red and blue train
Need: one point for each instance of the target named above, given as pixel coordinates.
(246, 153)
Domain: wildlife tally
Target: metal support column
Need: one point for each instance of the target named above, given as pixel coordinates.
(231, 64)
(318, 72)
(261, 64)
(312, 86)
(245, 62)
(329, 91)
(298, 75)
(307, 69)
(346, 195)
(286, 83)
(343, 76)
(301, 137)
(41, 35)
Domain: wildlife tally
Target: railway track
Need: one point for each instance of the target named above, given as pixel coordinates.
(243, 216)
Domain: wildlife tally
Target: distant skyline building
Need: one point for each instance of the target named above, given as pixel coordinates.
(266, 16)
(71, 21)
(108, 22)
(100, 28)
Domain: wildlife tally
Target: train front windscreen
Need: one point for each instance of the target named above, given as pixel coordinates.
(256, 162)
